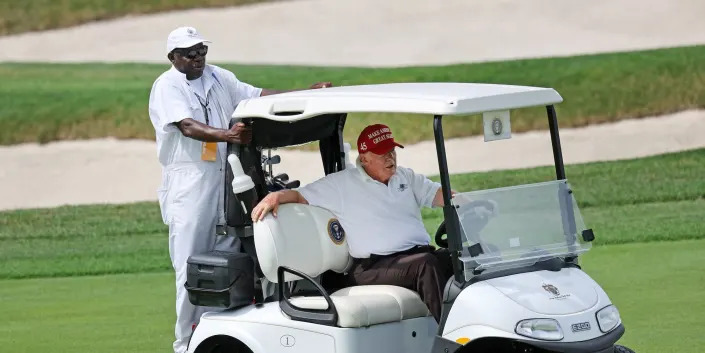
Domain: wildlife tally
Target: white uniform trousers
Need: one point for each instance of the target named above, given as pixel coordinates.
(189, 200)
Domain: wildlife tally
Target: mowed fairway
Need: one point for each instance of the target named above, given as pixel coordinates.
(658, 287)
(647, 215)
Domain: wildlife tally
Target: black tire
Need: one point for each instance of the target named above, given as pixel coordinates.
(622, 349)
(222, 344)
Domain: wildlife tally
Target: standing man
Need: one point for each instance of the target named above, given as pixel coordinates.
(190, 107)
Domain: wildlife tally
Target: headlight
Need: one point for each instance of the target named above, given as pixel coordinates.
(608, 318)
(543, 329)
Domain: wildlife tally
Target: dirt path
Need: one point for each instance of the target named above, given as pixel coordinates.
(110, 171)
(380, 33)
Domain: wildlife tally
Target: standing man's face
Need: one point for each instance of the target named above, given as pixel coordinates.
(190, 61)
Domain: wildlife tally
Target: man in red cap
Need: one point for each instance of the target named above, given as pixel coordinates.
(379, 206)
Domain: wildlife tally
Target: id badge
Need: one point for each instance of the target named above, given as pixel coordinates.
(209, 151)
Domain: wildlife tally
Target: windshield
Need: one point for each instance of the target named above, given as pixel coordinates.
(519, 225)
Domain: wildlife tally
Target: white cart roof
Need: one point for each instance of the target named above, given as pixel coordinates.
(419, 98)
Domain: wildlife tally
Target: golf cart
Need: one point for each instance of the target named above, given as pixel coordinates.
(517, 285)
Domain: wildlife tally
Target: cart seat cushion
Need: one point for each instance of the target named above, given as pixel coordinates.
(363, 306)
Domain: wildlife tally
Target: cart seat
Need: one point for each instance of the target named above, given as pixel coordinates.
(309, 239)
(362, 306)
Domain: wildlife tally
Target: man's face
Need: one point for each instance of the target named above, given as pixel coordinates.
(379, 167)
(190, 61)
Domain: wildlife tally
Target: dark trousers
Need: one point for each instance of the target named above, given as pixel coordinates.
(422, 269)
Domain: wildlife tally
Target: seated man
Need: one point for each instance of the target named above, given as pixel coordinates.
(379, 206)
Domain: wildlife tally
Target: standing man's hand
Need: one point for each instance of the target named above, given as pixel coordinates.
(321, 85)
(269, 92)
(239, 133)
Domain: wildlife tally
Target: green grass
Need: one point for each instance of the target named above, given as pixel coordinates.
(654, 198)
(658, 288)
(667, 177)
(37, 15)
(648, 199)
(646, 222)
(82, 240)
(118, 313)
(46, 102)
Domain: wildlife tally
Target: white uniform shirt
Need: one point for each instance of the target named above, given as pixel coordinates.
(377, 218)
(173, 98)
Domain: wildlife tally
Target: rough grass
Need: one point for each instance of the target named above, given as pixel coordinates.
(649, 199)
(658, 288)
(46, 102)
(662, 178)
(37, 15)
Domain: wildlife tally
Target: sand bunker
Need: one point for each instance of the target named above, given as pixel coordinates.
(380, 33)
(112, 171)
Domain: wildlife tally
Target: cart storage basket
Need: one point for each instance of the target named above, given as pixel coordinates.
(220, 279)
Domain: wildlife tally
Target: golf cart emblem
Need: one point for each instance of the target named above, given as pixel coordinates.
(287, 341)
(551, 289)
(582, 326)
(335, 231)
(497, 126)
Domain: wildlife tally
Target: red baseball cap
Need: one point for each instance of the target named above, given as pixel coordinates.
(377, 139)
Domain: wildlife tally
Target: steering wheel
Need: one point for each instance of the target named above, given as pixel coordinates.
(488, 205)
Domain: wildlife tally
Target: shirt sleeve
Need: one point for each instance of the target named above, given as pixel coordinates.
(323, 193)
(240, 90)
(167, 105)
(424, 189)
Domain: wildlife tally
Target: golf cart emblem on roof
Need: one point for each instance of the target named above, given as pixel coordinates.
(335, 231)
(497, 126)
(551, 289)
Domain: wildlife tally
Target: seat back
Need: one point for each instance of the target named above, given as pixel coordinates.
(302, 237)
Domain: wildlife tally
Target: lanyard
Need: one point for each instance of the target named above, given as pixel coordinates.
(205, 107)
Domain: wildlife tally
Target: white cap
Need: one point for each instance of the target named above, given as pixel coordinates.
(183, 37)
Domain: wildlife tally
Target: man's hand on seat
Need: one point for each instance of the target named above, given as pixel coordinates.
(268, 203)
(272, 201)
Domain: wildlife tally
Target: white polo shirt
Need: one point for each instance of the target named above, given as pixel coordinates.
(174, 98)
(377, 218)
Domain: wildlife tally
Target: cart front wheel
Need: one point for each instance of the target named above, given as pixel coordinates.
(622, 349)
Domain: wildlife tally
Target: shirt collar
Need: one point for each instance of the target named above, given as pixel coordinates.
(362, 173)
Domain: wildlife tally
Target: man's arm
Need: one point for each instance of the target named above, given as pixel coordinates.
(438, 199)
(239, 133)
(268, 92)
(272, 201)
